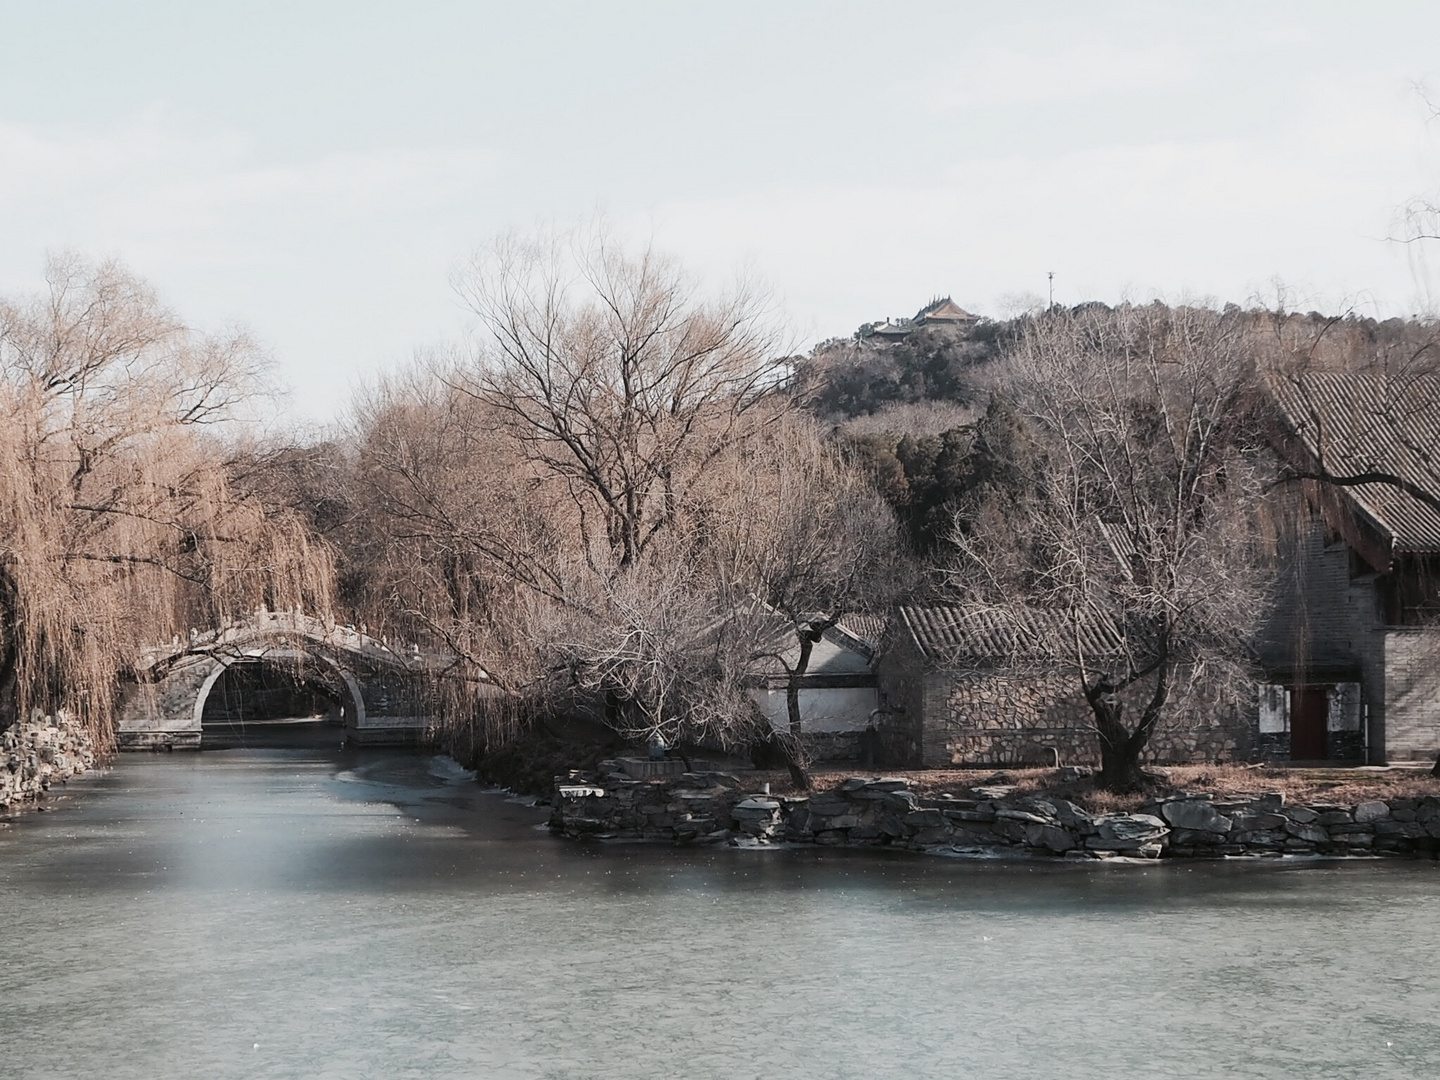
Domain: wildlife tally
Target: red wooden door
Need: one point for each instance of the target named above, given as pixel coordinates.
(1309, 717)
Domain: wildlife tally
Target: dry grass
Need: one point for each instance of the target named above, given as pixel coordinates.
(1298, 785)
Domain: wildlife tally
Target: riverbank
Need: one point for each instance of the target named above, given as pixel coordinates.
(38, 753)
(999, 816)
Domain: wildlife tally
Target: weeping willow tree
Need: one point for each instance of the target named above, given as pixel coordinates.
(118, 528)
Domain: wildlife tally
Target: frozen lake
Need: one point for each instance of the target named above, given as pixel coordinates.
(327, 913)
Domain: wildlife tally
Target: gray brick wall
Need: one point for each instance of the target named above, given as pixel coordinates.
(1412, 693)
(1319, 613)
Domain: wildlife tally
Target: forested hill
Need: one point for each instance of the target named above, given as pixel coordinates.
(869, 374)
(916, 408)
(906, 408)
(863, 375)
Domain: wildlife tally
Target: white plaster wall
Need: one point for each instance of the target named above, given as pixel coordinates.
(1344, 707)
(1274, 709)
(846, 709)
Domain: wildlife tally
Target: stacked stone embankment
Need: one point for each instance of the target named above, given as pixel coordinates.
(39, 752)
(714, 808)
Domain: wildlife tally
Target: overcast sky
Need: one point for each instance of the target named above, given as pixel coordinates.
(315, 170)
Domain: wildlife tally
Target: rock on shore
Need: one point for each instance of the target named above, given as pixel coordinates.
(714, 807)
(38, 752)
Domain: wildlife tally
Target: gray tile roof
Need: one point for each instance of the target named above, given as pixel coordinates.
(943, 309)
(953, 633)
(893, 330)
(869, 629)
(855, 633)
(1354, 424)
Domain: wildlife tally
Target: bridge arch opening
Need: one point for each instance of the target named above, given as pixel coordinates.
(279, 697)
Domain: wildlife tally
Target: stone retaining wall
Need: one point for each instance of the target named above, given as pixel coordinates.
(38, 752)
(714, 808)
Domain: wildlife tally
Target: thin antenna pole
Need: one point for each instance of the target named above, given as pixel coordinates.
(1051, 275)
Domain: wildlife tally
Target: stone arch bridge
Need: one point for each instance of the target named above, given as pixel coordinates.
(376, 691)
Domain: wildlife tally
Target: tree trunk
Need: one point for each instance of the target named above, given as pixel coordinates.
(793, 747)
(792, 687)
(1120, 748)
(771, 748)
(9, 656)
(1120, 770)
(795, 763)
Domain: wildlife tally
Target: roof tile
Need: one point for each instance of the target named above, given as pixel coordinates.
(1352, 424)
(949, 633)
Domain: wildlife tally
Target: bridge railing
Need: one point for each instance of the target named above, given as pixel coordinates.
(269, 624)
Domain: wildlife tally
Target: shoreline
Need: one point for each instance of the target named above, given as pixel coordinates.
(988, 820)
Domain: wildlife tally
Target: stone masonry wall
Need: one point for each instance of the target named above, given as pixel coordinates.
(709, 808)
(940, 718)
(1030, 718)
(834, 746)
(994, 719)
(39, 752)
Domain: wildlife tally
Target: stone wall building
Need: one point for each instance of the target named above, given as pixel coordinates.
(1352, 649)
(963, 687)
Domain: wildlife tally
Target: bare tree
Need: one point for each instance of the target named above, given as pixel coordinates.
(597, 501)
(616, 377)
(543, 477)
(1134, 519)
(478, 548)
(800, 531)
(117, 525)
(666, 660)
(447, 539)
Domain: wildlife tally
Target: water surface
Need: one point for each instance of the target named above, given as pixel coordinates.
(326, 913)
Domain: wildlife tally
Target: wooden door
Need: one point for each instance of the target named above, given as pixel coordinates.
(1309, 717)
